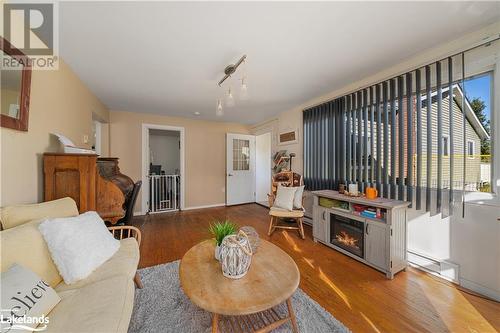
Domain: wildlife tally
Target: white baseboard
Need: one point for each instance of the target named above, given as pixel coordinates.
(308, 220)
(205, 206)
(493, 294)
(444, 269)
(449, 271)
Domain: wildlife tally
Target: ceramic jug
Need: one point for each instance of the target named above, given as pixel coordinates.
(371, 193)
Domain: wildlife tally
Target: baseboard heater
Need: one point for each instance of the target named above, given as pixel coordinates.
(441, 268)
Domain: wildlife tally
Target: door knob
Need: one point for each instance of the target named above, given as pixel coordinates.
(229, 174)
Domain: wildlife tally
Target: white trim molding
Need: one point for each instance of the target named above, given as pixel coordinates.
(145, 161)
(205, 206)
(488, 292)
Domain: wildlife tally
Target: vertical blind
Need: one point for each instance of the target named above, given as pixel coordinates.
(389, 136)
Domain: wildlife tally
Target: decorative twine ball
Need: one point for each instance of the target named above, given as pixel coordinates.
(235, 255)
(253, 237)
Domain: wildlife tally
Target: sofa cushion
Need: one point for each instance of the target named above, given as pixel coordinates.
(24, 245)
(123, 263)
(103, 306)
(12, 216)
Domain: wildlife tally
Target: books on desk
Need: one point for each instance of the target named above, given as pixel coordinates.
(370, 214)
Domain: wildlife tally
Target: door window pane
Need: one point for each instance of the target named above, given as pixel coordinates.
(241, 154)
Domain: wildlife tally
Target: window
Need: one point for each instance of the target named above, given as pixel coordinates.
(241, 155)
(420, 123)
(470, 149)
(446, 146)
(479, 161)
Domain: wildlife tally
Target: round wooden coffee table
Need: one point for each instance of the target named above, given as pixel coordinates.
(247, 304)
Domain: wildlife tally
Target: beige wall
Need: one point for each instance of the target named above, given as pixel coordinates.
(61, 103)
(205, 151)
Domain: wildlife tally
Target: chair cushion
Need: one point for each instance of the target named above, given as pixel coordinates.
(13, 216)
(280, 212)
(102, 306)
(24, 245)
(123, 263)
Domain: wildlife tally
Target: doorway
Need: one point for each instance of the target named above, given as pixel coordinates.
(240, 169)
(99, 140)
(248, 168)
(162, 168)
(262, 168)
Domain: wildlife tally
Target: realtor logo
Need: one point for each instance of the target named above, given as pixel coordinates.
(11, 322)
(31, 28)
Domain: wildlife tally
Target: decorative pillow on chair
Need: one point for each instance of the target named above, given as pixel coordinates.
(78, 245)
(25, 293)
(297, 200)
(285, 197)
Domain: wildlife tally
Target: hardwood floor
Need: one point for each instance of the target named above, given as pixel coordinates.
(359, 296)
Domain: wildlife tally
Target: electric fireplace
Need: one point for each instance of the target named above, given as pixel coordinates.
(347, 234)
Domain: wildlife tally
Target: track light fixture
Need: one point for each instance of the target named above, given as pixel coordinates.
(228, 97)
(231, 69)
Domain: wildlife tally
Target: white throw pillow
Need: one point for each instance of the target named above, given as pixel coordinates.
(25, 293)
(297, 200)
(285, 197)
(78, 245)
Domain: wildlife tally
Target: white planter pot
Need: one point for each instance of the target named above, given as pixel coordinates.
(217, 252)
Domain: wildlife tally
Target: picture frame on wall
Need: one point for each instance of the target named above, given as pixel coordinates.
(288, 137)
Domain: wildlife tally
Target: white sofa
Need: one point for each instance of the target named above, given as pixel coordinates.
(104, 301)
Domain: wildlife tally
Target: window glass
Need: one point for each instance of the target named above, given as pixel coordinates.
(478, 132)
(241, 154)
(470, 148)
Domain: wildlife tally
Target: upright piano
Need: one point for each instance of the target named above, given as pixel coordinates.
(96, 184)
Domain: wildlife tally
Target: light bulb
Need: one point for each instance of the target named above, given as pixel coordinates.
(229, 99)
(219, 111)
(243, 89)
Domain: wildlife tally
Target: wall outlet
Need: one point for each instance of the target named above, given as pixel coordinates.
(85, 138)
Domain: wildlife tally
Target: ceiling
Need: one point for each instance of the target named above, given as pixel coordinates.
(167, 57)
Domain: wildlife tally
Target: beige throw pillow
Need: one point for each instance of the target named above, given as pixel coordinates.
(297, 200)
(285, 197)
(26, 300)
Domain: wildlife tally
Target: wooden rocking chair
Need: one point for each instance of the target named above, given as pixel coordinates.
(287, 178)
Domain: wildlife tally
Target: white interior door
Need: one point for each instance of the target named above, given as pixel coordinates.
(240, 169)
(262, 168)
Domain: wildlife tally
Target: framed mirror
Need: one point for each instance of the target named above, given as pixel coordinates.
(15, 87)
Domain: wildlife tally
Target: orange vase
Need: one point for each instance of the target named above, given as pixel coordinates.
(371, 193)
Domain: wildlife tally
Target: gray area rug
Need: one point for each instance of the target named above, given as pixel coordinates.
(162, 306)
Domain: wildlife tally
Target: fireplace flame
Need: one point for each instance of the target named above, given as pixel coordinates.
(344, 238)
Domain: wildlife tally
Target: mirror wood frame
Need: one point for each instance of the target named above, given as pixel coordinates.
(21, 123)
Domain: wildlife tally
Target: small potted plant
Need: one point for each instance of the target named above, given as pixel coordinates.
(219, 230)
